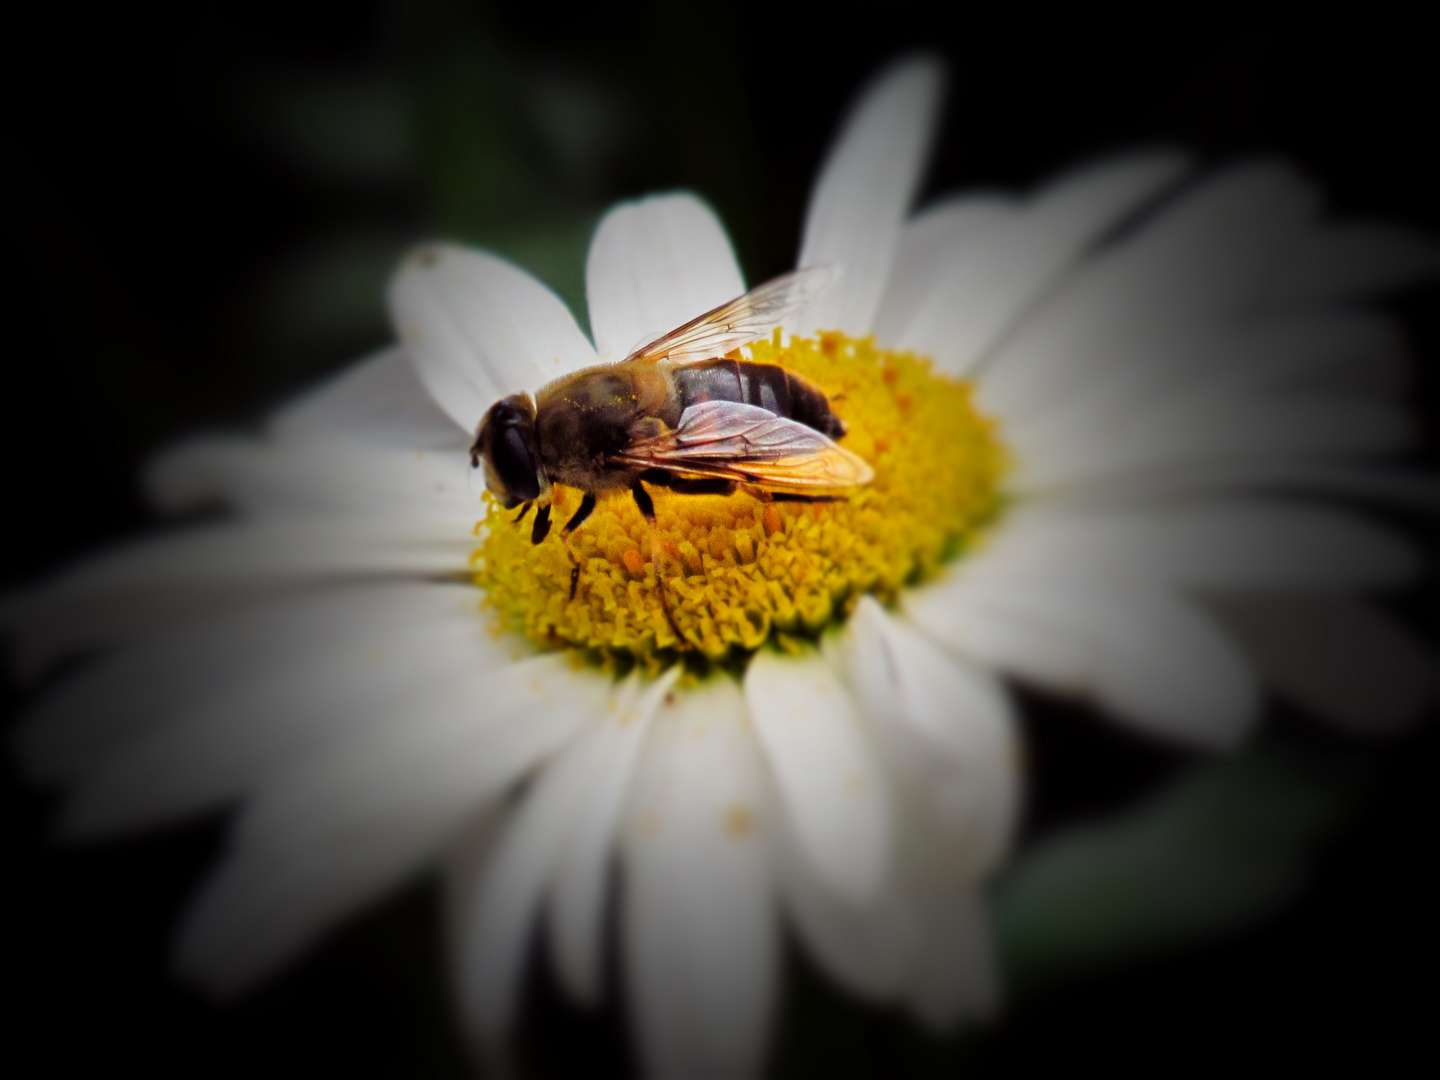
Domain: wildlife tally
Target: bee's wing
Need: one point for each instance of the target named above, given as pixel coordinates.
(742, 320)
(752, 445)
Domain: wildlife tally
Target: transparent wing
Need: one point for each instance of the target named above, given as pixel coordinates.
(750, 444)
(742, 320)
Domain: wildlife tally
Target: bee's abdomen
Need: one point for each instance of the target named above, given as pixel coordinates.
(767, 385)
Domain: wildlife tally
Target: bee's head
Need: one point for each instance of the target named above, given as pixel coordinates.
(505, 441)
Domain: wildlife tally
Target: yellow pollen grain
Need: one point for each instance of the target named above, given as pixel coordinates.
(741, 571)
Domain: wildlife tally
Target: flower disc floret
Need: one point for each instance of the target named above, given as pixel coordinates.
(740, 570)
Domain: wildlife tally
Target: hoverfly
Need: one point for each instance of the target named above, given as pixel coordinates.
(675, 413)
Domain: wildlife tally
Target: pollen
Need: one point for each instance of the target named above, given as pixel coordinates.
(742, 570)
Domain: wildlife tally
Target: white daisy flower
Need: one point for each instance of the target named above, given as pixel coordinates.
(1099, 418)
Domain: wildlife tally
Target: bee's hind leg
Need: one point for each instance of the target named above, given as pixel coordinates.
(647, 507)
(791, 497)
(706, 486)
(587, 507)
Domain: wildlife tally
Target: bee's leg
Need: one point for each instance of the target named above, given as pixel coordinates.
(523, 511)
(587, 507)
(542, 525)
(647, 507)
(703, 486)
(644, 502)
(789, 496)
(786, 496)
(707, 486)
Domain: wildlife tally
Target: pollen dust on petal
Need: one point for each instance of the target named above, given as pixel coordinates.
(738, 821)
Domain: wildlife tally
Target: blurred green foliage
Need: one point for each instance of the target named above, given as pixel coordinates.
(485, 145)
(1222, 847)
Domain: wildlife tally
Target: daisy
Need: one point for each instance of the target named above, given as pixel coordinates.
(1103, 419)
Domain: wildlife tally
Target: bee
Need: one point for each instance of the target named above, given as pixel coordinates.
(677, 413)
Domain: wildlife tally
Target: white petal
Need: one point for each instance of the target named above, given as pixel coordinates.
(100, 709)
(577, 899)
(918, 939)
(335, 830)
(465, 736)
(258, 715)
(479, 329)
(304, 548)
(169, 580)
(699, 924)
(316, 477)
(1338, 657)
(1195, 432)
(985, 288)
(496, 931)
(165, 581)
(955, 976)
(42, 628)
(654, 265)
(263, 907)
(1311, 350)
(1330, 354)
(960, 227)
(462, 868)
(379, 401)
(831, 788)
(1355, 259)
(1148, 298)
(950, 729)
(867, 947)
(1151, 659)
(1402, 488)
(864, 191)
(1221, 543)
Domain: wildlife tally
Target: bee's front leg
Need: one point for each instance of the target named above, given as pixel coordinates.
(541, 528)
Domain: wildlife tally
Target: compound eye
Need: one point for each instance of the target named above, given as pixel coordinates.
(515, 464)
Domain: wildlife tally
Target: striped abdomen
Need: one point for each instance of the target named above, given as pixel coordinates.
(767, 385)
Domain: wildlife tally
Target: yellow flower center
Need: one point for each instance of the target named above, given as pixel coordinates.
(740, 571)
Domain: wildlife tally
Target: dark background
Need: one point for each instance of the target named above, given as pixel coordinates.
(199, 209)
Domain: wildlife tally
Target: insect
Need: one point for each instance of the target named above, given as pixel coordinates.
(675, 413)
